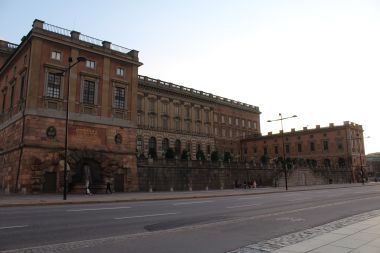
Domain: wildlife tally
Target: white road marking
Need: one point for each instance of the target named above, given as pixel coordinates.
(98, 209)
(143, 216)
(248, 198)
(193, 202)
(293, 200)
(243, 206)
(19, 226)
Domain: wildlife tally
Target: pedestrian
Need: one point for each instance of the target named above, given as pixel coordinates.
(108, 188)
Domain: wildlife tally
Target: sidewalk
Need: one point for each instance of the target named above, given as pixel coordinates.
(9, 200)
(356, 234)
(361, 237)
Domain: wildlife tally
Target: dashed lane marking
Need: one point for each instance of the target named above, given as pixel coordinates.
(98, 209)
(193, 202)
(143, 216)
(19, 226)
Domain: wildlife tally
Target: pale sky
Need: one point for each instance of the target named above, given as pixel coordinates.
(319, 60)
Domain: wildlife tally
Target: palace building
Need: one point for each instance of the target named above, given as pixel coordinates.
(339, 147)
(59, 85)
(113, 114)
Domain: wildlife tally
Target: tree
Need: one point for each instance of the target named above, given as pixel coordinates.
(185, 155)
(215, 156)
(227, 157)
(169, 153)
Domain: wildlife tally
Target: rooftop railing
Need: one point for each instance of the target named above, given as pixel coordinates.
(196, 92)
(83, 37)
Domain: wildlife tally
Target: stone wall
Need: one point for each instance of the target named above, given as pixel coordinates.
(196, 175)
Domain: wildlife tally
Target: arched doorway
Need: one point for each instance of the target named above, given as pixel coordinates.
(152, 152)
(165, 144)
(177, 148)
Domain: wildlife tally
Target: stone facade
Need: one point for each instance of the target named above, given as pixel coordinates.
(101, 112)
(328, 147)
(170, 115)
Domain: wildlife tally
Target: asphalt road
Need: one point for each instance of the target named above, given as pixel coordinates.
(197, 225)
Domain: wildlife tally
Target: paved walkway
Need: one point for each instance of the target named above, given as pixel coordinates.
(355, 234)
(8, 200)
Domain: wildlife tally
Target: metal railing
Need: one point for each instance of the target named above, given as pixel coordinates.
(196, 92)
(83, 37)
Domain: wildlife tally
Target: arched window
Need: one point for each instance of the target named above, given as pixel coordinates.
(152, 147)
(177, 147)
(165, 144)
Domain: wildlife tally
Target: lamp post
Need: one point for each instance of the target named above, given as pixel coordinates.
(79, 59)
(283, 144)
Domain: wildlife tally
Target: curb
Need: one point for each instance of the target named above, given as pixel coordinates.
(158, 198)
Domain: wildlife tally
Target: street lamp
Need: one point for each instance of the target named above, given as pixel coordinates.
(79, 59)
(283, 145)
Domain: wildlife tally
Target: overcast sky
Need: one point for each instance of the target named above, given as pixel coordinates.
(319, 60)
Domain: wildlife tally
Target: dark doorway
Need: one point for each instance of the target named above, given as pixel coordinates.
(50, 184)
(119, 182)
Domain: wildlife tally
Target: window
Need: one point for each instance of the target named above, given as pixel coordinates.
(4, 96)
(276, 150)
(249, 124)
(152, 105)
(207, 129)
(223, 119)
(188, 127)
(243, 123)
(197, 128)
(265, 150)
(164, 122)
(176, 110)
(237, 122)
(54, 85)
(216, 131)
(207, 116)
(187, 112)
(22, 88)
(325, 145)
(139, 145)
(88, 92)
(56, 55)
(230, 120)
(165, 108)
(340, 146)
(299, 147)
(152, 121)
(230, 133)
(312, 146)
(118, 97)
(119, 71)
(176, 124)
(90, 64)
(215, 117)
(139, 119)
(254, 125)
(139, 103)
(287, 148)
(197, 114)
(12, 97)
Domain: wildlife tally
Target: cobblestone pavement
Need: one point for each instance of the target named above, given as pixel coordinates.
(294, 238)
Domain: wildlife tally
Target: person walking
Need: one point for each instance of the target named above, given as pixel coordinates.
(108, 188)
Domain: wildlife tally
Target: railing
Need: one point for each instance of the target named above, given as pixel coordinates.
(90, 40)
(12, 45)
(56, 29)
(82, 37)
(196, 92)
